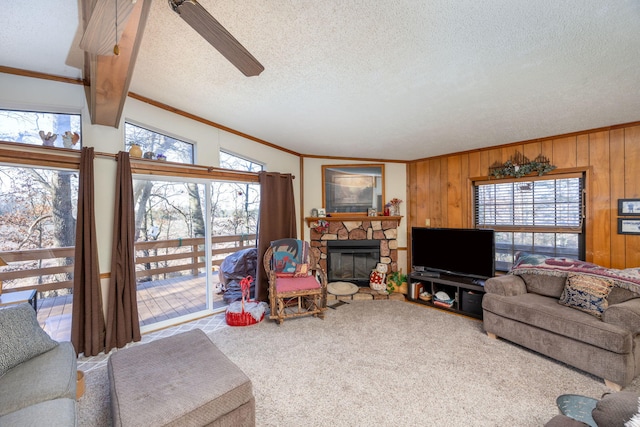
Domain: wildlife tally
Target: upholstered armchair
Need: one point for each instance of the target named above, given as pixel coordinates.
(297, 283)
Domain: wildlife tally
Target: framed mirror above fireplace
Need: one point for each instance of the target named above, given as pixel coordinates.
(350, 189)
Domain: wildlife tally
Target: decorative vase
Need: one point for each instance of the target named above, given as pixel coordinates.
(135, 151)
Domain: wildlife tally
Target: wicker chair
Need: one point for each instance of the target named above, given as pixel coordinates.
(297, 283)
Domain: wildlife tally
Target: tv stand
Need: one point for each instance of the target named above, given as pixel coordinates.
(467, 292)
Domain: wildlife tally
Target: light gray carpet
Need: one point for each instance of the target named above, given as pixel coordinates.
(386, 363)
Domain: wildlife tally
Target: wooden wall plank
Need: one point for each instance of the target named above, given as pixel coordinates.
(532, 150)
(495, 157)
(599, 229)
(443, 219)
(434, 210)
(564, 152)
(632, 189)
(454, 192)
(465, 184)
(422, 193)
(582, 150)
(617, 247)
(546, 149)
(475, 165)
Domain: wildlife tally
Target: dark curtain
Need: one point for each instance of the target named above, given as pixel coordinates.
(87, 322)
(277, 219)
(122, 309)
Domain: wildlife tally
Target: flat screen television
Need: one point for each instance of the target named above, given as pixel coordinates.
(455, 251)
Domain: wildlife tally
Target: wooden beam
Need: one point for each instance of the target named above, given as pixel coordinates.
(107, 78)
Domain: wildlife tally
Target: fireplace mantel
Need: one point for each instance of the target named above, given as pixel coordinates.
(349, 218)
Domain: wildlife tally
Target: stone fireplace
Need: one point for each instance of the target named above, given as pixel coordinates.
(364, 241)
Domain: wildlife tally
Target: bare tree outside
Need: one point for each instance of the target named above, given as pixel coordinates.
(38, 205)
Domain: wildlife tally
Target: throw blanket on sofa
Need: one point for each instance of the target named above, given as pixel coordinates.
(540, 264)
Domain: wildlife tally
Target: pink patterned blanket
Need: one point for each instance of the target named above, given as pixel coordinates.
(540, 264)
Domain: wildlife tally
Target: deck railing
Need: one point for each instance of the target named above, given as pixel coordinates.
(172, 260)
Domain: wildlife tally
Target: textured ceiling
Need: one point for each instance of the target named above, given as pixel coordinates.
(390, 79)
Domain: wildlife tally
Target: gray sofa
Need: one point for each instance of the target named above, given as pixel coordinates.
(37, 375)
(523, 307)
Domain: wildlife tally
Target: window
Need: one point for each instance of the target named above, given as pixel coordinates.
(49, 129)
(38, 211)
(542, 215)
(232, 161)
(173, 149)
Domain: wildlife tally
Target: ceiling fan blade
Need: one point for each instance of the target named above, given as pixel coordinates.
(214, 33)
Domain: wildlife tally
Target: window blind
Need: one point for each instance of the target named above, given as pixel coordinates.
(553, 204)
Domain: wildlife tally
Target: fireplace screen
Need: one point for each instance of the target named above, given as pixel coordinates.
(352, 260)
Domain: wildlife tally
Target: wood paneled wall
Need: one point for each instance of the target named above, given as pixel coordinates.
(440, 188)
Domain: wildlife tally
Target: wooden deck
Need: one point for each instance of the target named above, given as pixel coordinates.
(158, 300)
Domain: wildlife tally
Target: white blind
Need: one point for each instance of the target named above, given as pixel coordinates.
(553, 204)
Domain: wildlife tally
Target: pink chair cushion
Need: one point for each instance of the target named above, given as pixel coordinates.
(288, 284)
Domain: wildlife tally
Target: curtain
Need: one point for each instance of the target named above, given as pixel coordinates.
(87, 321)
(122, 308)
(277, 220)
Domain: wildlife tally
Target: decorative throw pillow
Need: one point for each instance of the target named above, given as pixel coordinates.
(586, 293)
(22, 338)
(616, 409)
(302, 270)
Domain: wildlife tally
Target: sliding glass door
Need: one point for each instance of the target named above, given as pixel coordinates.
(185, 228)
(170, 243)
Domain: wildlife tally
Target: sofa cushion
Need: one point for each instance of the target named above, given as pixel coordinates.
(614, 409)
(545, 313)
(51, 375)
(22, 336)
(52, 413)
(586, 293)
(544, 284)
(618, 295)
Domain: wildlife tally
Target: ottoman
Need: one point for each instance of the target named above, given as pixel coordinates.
(182, 380)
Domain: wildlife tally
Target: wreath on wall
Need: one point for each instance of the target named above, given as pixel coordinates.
(519, 165)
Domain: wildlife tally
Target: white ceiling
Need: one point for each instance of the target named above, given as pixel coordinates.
(384, 79)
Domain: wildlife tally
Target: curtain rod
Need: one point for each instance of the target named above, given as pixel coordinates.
(185, 165)
(74, 156)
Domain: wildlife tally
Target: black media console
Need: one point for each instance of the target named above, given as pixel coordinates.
(466, 292)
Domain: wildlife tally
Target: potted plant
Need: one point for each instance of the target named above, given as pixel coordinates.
(397, 282)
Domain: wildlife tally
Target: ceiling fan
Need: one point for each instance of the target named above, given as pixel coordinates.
(214, 33)
(109, 17)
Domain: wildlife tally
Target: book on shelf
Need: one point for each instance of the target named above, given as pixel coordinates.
(416, 289)
(442, 303)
